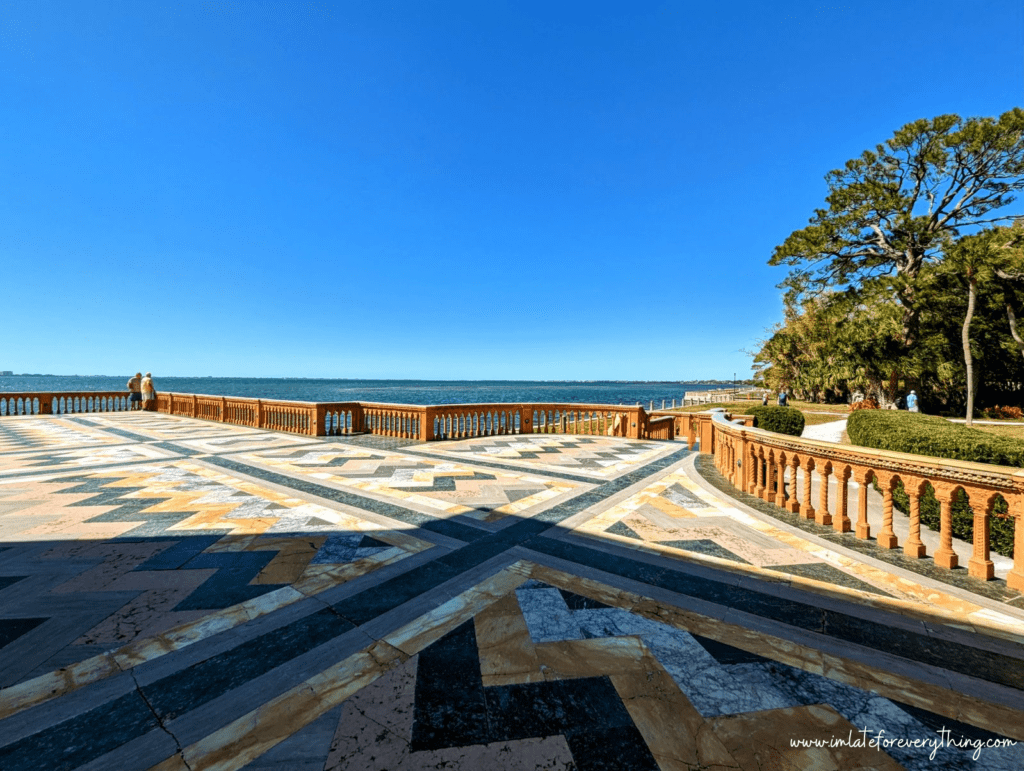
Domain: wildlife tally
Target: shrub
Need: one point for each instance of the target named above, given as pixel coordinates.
(866, 404)
(936, 437)
(1003, 413)
(933, 436)
(781, 420)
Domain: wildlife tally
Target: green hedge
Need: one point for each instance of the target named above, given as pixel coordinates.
(781, 420)
(938, 438)
(933, 436)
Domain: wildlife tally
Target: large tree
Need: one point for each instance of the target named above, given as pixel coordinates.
(897, 207)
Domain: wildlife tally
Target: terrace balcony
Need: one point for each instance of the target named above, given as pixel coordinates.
(233, 583)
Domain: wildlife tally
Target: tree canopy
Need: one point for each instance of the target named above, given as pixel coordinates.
(906, 277)
(898, 206)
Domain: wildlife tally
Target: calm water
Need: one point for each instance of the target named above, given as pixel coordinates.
(388, 391)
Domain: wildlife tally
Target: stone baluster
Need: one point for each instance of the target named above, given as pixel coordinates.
(863, 479)
(887, 538)
(780, 480)
(822, 516)
(794, 500)
(945, 556)
(914, 547)
(841, 523)
(807, 510)
(757, 469)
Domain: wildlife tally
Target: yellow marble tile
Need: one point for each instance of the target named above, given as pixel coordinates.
(568, 659)
(290, 562)
(173, 763)
(674, 731)
(762, 740)
(246, 738)
(432, 626)
(507, 654)
(30, 693)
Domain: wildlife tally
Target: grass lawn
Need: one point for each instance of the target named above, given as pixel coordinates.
(1014, 430)
(814, 414)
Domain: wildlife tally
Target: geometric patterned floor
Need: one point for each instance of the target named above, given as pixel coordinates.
(179, 594)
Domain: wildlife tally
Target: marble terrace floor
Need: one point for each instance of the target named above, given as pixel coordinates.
(178, 594)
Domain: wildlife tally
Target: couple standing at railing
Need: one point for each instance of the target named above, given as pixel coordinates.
(141, 391)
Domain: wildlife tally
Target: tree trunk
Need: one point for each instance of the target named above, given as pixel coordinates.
(968, 360)
(1013, 328)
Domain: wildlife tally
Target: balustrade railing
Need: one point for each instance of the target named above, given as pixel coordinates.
(63, 403)
(402, 421)
(787, 471)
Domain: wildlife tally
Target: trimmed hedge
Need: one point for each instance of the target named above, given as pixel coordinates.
(933, 436)
(938, 438)
(781, 420)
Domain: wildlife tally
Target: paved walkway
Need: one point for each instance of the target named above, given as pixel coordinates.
(179, 594)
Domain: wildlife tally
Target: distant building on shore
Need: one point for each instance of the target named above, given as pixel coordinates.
(5, 372)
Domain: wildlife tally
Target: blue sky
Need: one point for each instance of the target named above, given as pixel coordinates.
(571, 190)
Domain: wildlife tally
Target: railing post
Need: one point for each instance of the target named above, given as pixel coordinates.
(979, 565)
(259, 414)
(1015, 578)
(526, 419)
(223, 409)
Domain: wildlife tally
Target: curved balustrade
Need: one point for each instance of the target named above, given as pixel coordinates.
(811, 478)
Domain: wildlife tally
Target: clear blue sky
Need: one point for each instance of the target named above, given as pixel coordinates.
(442, 190)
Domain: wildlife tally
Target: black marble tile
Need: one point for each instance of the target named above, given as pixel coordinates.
(450, 708)
(610, 749)
(706, 546)
(81, 739)
(526, 710)
(578, 602)
(180, 553)
(13, 628)
(727, 654)
(829, 575)
(230, 584)
(588, 711)
(193, 686)
(624, 530)
(947, 654)
(6, 581)
(367, 605)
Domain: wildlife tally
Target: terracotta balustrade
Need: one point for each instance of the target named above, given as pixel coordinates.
(770, 466)
(693, 424)
(403, 421)
(65, 403)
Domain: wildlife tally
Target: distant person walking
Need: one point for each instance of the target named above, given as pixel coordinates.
(912, 402)
(148, 392)
(135, 392)
(783, 399)
(764, 399)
